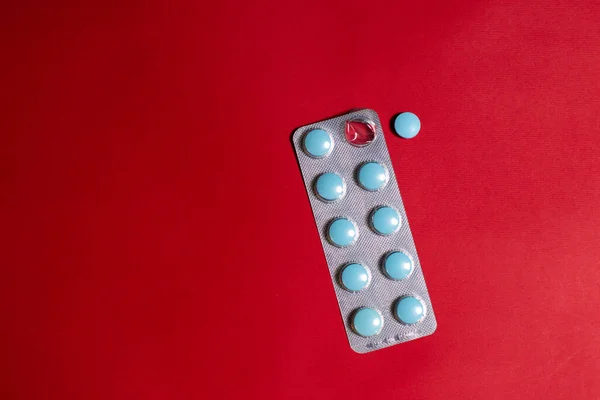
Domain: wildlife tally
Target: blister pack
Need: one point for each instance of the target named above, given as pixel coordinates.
(364, 231)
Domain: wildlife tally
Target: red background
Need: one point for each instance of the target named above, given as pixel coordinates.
(158, 241)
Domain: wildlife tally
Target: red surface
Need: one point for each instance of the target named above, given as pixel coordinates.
(158, 241)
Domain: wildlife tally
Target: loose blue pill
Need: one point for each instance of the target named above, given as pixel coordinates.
(367, 322)
(407, 125)
(355, 277)
(342, 232)
(410, 310)
(318, 143)
(398, 265)
(372, 176)
(385, 220)
(330, 187)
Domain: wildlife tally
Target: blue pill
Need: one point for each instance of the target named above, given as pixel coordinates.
(372, 176)
(355, 277)
(410, 310)
(367, 322)
(342, 232)
(407, 125)
(398, 265)
(385, 220)
(318, 143)
(330, 187)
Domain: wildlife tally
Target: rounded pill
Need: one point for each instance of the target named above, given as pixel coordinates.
(330, 187)
(372, 176)
(409, 310)
(342, 232)
(355, 277)
(385, 220)
(318, 143)
(398, 265)
(407, 125)
(367, 322)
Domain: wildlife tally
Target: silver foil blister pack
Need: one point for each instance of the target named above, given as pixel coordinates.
(356, 139)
